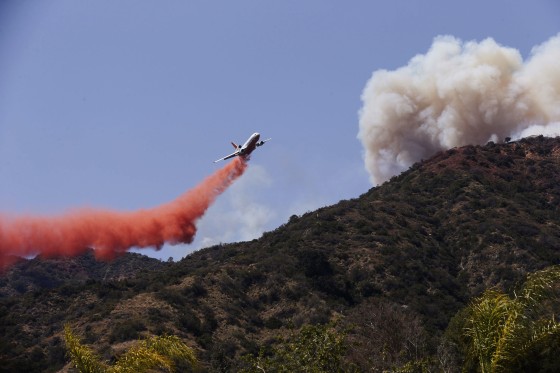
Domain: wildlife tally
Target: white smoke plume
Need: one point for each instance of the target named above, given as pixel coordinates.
(239, 216)
(457, 94)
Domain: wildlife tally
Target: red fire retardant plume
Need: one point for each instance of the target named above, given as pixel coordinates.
(112, 232)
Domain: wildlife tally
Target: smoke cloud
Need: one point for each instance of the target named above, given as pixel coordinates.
(243, 215)
(457, 94)
(111, 232)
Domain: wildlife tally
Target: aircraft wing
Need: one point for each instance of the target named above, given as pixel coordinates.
(263, 141)
(227, 157)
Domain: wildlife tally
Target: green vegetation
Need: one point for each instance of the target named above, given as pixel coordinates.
(314, 349)
(162, 353)
(515, 333)
(82, 357)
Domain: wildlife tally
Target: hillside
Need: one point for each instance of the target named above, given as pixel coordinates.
(47, 273)
(396, 263)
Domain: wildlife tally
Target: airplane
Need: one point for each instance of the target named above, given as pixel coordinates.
(246, 149)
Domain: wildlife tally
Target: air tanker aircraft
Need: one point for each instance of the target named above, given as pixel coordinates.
(245, 149)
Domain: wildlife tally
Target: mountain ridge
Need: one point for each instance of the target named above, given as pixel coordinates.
(40, 272)
(420, 245)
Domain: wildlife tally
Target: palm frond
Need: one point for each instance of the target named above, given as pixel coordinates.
(82, 357)
(155, 352)
(509, 346)
(141, 359)
(539, 285)
(488, 316)
(173, 347)
(502, 330)
(543, 332)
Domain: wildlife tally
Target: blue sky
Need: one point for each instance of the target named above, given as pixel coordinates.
(125, 104)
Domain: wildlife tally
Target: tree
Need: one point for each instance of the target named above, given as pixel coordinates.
(161, 353)
(385, 336)
(506, 333)
(315, 349)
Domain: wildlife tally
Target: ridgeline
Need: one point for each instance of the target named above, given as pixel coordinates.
(393, 265)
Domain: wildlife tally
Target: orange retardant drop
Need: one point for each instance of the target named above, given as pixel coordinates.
(111, 232)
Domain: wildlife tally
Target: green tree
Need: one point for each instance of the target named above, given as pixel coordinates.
(505, 333)
(315, 349)
(161, 353)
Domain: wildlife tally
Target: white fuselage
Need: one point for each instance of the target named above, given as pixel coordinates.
(249, 145)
